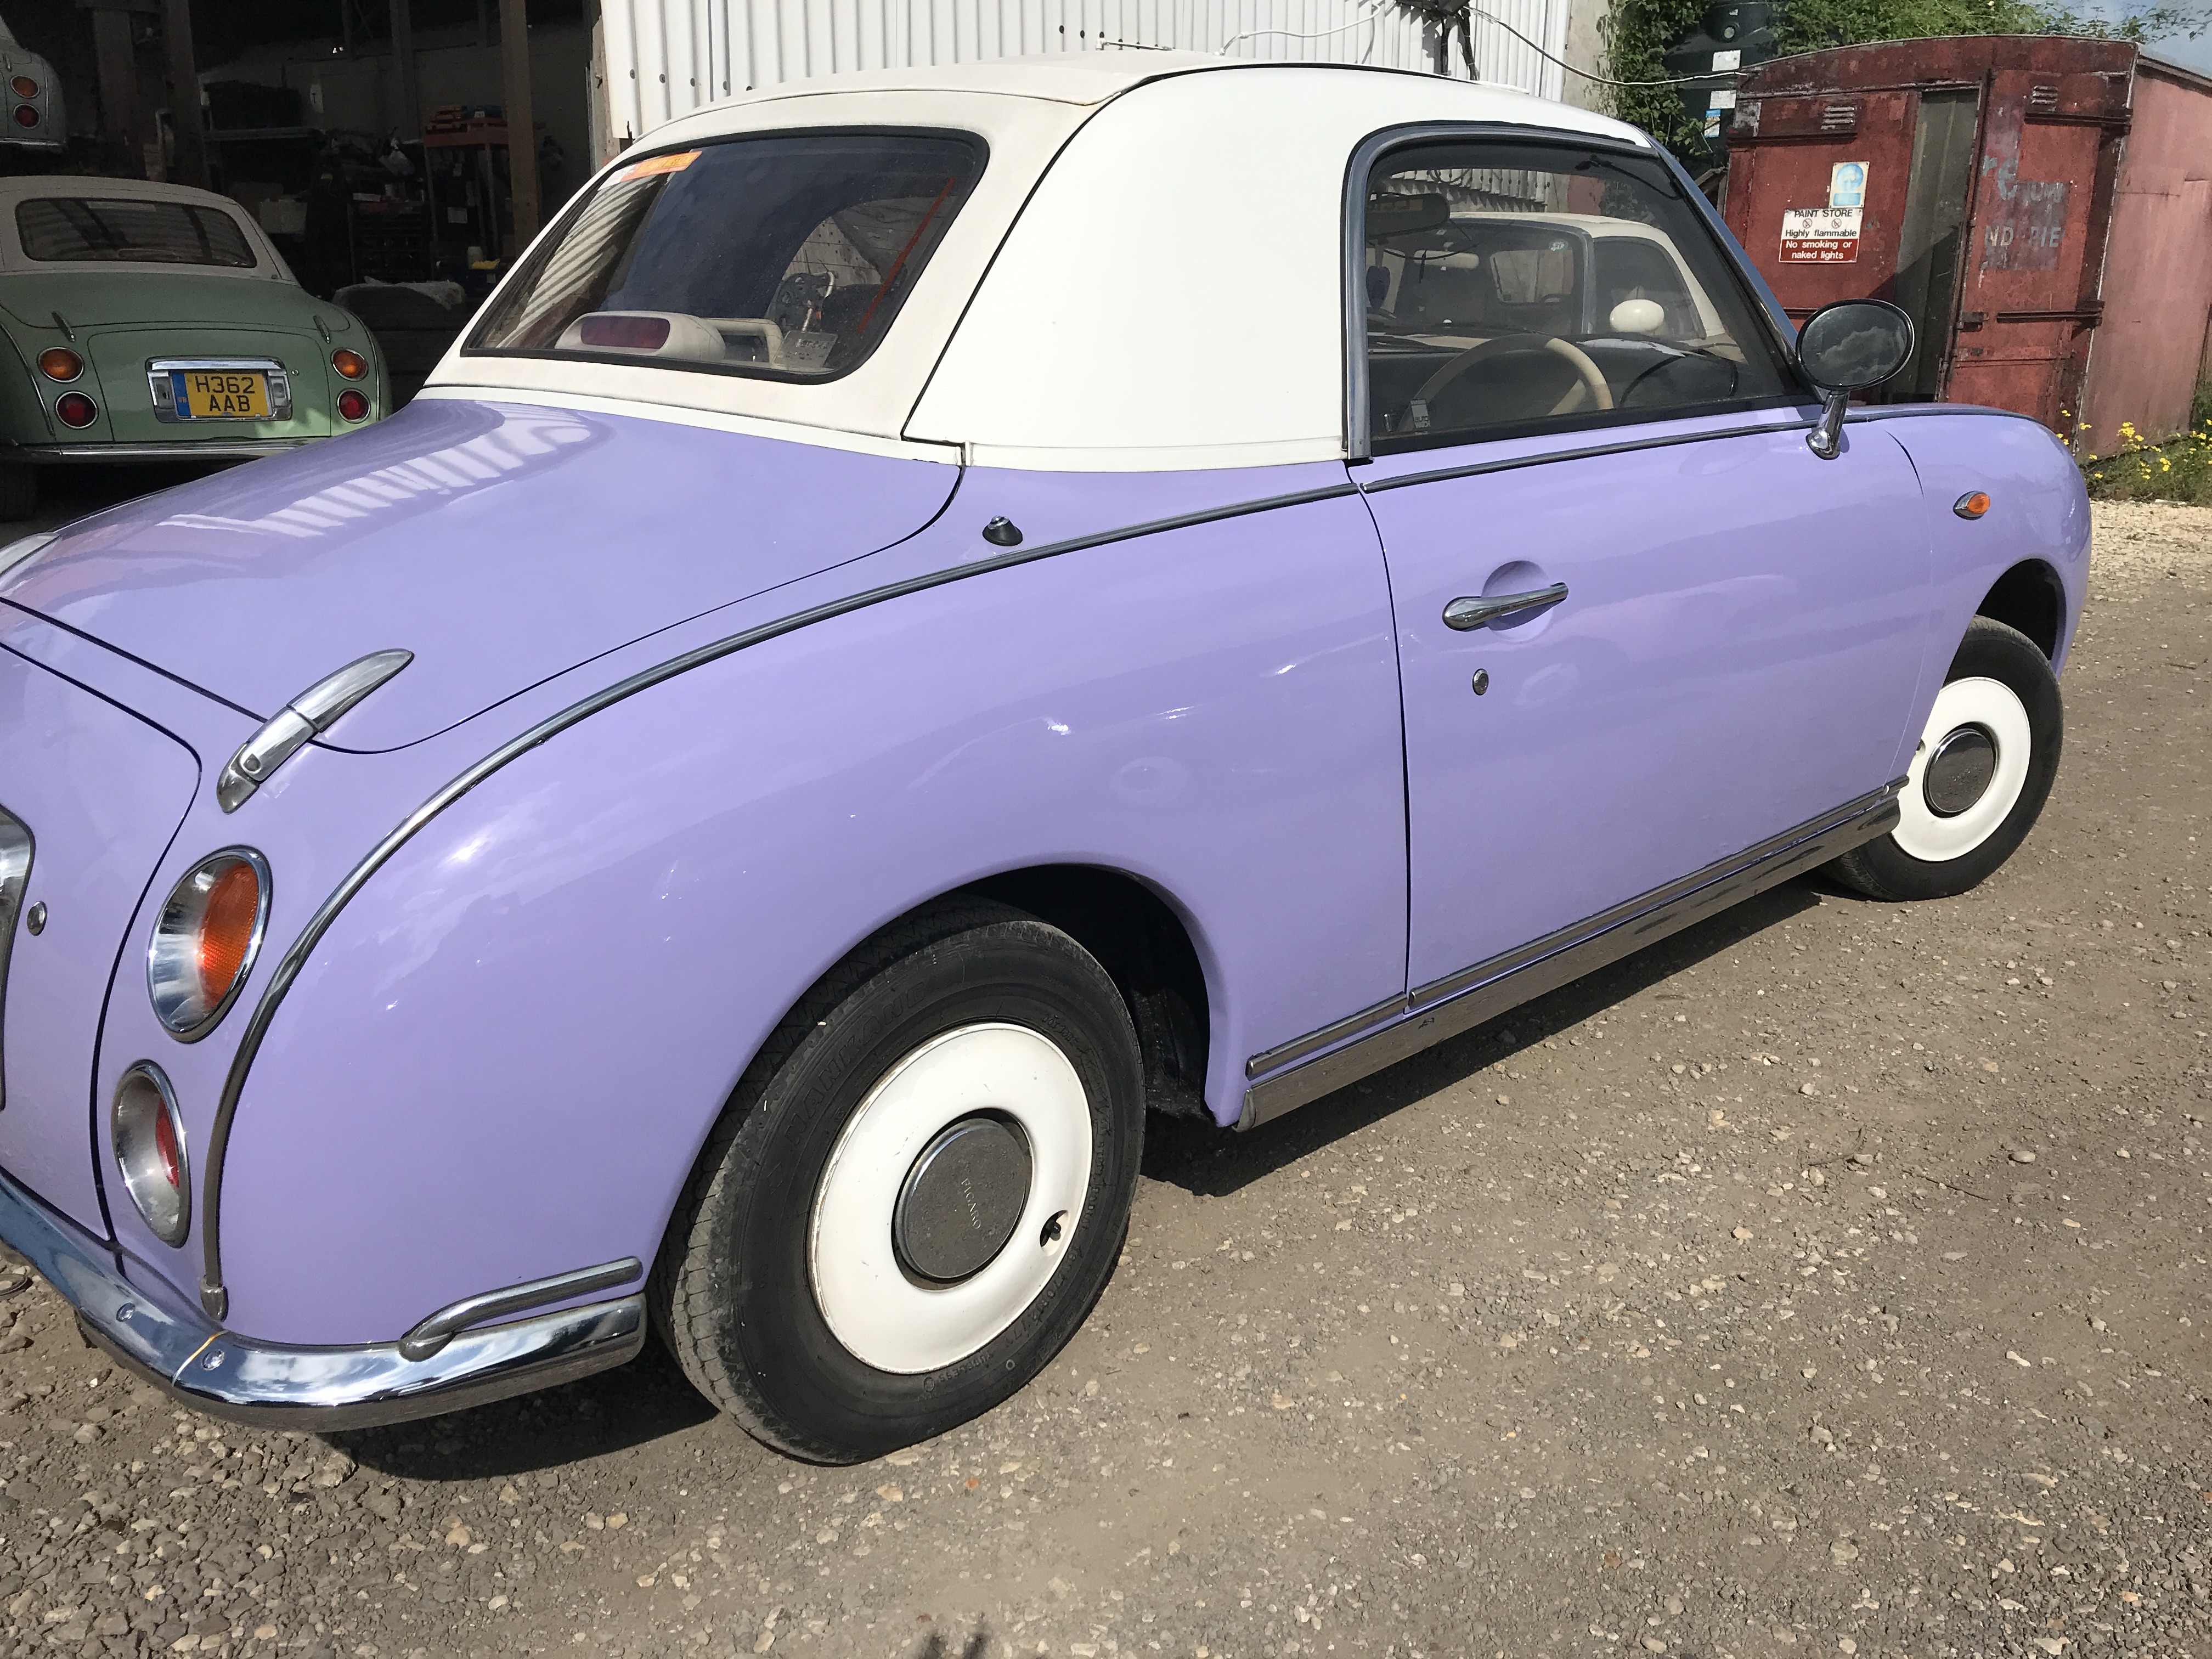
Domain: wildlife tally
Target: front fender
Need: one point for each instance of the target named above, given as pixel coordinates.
(2038, 512)
(501, 1059)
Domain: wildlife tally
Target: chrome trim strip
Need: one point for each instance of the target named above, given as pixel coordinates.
(132, 1314)
(17, 849)
(1467, 614)
(185, 449)
(1298, 1048)
(1588, 452)
(442, 1326)
(212, 1296)
(1445, 1007)
(163, 389)
(310, 715)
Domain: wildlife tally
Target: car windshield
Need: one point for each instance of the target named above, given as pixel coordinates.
(60, 228)
(787, 257)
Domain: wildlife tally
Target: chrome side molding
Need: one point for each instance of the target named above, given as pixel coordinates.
(1458, 1002)
(442, 1326)
(313, 712)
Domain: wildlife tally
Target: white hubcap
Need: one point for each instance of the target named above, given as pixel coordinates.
(894, 1319)
(1991, 707)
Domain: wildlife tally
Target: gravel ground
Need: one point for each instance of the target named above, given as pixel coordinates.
(1828, 1280)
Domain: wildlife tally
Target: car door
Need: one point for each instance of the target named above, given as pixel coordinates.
(1643, 628)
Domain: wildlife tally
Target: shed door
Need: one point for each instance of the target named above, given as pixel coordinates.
(2035, 247)
(1818, 193)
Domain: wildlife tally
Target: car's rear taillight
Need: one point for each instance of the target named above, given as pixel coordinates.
(150, 1150)
(353, 404)
(24, 87)
(74, 409)
(60, 364)
(26, 116)
(350, 364)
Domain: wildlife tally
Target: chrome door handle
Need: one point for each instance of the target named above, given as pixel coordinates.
(1465, 614)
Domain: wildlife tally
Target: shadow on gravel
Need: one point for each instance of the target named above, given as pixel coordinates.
(644, 1400)
(1202, 1160)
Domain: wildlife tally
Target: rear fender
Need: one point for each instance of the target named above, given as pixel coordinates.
(501, 1060)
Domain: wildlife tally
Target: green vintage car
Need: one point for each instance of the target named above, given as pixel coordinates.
(147, 322)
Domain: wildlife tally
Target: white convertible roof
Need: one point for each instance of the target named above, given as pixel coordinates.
(1149, 272)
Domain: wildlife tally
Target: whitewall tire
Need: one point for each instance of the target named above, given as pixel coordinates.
(916, 1193)
(1979, 775)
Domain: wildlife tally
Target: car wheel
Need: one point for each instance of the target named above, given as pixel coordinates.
(917, 1192)
(1979, 777)
(19, 490)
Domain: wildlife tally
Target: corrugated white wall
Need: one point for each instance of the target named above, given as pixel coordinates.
(665, 57)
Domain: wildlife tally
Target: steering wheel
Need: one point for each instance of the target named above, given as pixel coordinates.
(1590, 386)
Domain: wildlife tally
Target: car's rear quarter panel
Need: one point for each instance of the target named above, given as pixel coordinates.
(501, 1061)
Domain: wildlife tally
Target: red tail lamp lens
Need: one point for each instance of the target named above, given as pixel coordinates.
(350, 364)
(26, 116)
(24, 87)
(60, 364)
(168, 1150)
(204, 944)
(74, 409)
(624, 333)
(353, 404)
(150, 1151)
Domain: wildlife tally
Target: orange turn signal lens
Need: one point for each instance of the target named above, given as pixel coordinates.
(351, 364)
(60, 364)
(204, 944)
(24, 87)
(226, 927)
(1972, 505)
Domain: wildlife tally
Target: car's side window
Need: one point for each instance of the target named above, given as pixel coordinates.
(1516, 288)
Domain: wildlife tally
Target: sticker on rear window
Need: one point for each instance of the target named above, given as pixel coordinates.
(655, 164)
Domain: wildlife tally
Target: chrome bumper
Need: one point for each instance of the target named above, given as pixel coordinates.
(184, 449)
(130, 1312)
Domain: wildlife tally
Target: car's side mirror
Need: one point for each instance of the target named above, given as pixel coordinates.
(1848, 347)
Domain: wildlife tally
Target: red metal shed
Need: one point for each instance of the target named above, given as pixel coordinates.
(2042, 205)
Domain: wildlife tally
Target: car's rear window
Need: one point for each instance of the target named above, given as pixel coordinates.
(63, 228)
(786, 256)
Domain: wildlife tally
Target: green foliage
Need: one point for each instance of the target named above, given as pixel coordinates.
(1637, 33)
(2178, 469)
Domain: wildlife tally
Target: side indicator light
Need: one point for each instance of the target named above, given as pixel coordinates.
(74, 409)
(1972, 505)
(353, 404)
(350, 364)
(60, 364)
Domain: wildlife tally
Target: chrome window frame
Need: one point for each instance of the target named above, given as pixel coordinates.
(1359, 439)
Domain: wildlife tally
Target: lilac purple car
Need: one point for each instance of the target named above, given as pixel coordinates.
(933, 614)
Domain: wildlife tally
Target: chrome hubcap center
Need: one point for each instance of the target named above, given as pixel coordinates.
(962, 1200)
(1958, 774)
